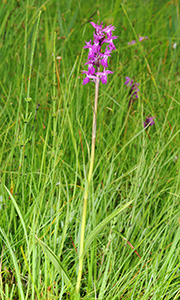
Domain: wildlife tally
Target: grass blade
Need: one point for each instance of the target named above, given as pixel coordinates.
(20, 288)
(19, 214)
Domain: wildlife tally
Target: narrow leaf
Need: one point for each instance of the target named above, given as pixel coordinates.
(56, 262)
(101, 225)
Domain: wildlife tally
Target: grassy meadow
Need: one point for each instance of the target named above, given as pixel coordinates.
(132, 233)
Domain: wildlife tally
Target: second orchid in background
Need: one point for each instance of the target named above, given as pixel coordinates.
(133, 94)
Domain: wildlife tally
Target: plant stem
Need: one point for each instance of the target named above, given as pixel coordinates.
(54, 115)
(87, 186)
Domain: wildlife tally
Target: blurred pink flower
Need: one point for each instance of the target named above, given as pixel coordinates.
(141, 38)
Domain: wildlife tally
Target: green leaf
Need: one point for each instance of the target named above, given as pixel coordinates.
(56, 262)
(101, 225)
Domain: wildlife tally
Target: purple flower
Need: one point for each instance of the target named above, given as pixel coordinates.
(133, 92)
(105, 56)
(88, 77)
(90, 47)
(149, 121)
(108, 29)
(89, 73)
(103, 75)
(128, 80)
(109, 40)
(97, 27)
(96, 57)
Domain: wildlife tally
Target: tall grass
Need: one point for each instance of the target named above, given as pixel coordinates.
(132, 229)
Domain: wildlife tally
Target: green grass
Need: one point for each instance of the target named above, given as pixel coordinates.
(45, 142)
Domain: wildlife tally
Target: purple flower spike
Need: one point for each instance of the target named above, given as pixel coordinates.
(149, 121)
(133, 92)
(96, 57)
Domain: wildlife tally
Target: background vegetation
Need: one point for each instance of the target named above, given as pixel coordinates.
(45, 138)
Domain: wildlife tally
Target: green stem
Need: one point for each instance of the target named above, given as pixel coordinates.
(88, 182)
(54, 93)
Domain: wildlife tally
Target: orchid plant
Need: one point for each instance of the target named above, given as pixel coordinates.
(97, 60)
